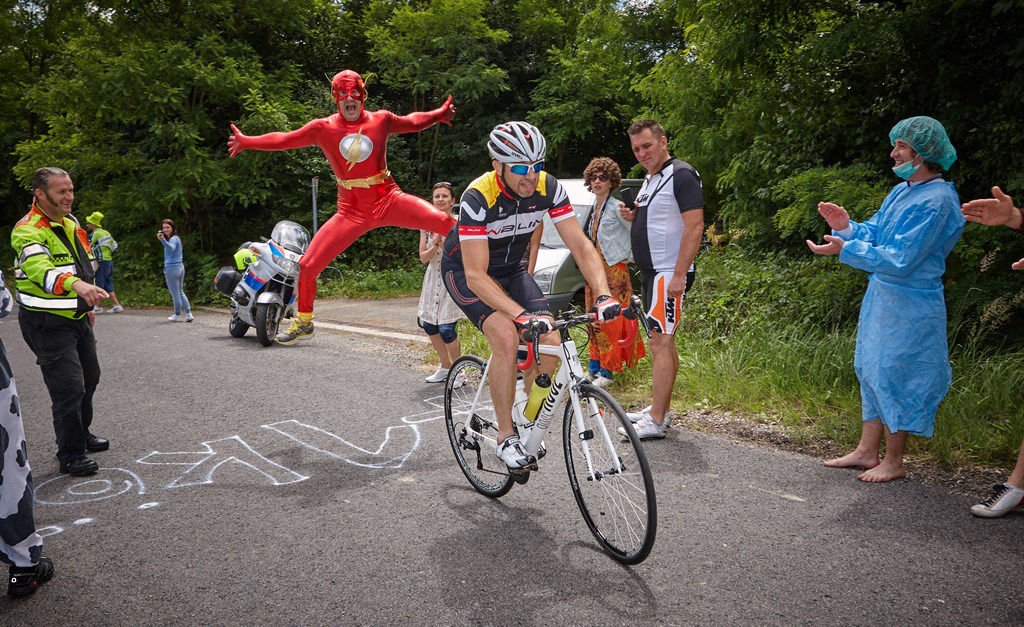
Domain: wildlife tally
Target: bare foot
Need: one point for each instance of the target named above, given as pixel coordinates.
(882, 473)
(854, 460)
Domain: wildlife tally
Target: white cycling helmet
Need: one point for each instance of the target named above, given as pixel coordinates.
(517, 142)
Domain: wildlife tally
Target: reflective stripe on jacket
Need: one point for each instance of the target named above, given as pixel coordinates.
(103, 244)
(45, 269)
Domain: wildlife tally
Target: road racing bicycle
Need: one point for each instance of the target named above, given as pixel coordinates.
(608, 471)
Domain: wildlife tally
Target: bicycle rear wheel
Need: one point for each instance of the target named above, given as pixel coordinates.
(617, 500)
(475, 454)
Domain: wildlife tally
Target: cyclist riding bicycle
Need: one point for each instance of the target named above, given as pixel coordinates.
(483, 270)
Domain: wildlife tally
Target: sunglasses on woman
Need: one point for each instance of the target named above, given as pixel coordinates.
(522, 169)
(598, 177)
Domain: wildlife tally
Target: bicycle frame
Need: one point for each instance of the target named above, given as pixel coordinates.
(567, 379)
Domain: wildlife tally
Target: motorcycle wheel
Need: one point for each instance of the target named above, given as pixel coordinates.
(236, 327)
(267, 322)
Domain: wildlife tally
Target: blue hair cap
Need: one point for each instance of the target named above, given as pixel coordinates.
(928, 137)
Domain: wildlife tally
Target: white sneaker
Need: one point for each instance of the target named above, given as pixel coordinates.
(647, 429)
(511, 452)
(188, 316)
(636, 417)
(1004, 497)
(116, 309)
(97, 310)
(174, 318)
(439, 375)
(601, 381)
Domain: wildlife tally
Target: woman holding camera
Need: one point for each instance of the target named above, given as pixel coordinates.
(174, 270)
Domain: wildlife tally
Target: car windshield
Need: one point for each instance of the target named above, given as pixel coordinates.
(582, 204)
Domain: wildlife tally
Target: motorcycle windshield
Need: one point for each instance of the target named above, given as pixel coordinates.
(291, 236)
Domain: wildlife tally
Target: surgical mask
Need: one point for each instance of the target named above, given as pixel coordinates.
(906, 169)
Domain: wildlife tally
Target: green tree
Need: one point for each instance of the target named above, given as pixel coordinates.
(584, 90)
(154, 87)
(418, 49)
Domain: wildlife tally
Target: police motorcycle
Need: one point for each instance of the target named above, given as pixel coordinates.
(262, 283)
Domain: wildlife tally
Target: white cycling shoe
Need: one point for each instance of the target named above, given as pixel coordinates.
(515, 457)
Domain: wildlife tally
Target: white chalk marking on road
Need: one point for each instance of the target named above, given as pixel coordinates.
(203, 464)
(75, 494)
(338, 447)
(148, 505)
(84, 521)
(49, 530)
(81, 490)
(394, 335)
(784, 495)
(424, 416)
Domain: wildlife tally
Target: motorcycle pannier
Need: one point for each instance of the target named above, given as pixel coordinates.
(226, 280)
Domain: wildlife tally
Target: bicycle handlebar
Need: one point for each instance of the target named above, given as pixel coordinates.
(634, 314)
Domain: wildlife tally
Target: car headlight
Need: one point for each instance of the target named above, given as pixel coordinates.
(544, 277)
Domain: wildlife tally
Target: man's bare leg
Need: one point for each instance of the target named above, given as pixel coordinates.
(866, 453)
(665, 364)
(892, 465)
(500, 332)
(1017, 476)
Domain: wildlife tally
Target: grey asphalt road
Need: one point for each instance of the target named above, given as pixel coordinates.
(315, 484)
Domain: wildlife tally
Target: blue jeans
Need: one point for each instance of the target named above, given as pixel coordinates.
(105, 275)
(448, 332)
(175, 277)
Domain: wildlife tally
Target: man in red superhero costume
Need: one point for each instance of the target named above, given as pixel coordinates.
(355, 143)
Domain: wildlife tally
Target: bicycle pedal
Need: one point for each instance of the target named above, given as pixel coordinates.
(521, 477)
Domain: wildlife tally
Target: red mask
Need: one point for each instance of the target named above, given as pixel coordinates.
(347, 83)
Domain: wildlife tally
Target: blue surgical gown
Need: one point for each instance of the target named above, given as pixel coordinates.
(902, 358)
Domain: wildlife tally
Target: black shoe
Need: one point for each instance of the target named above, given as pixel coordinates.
(79, 467)
(95, 444)
(24, 581)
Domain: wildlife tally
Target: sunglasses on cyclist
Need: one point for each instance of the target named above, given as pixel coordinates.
(522, 169)
(598, 177)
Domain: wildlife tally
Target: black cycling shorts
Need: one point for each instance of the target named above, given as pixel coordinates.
(518, 284)
(663, 313)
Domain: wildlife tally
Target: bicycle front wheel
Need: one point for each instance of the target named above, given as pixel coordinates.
(615, 491)
(473, 427)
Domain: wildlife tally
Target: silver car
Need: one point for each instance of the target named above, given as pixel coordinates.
(556, 271)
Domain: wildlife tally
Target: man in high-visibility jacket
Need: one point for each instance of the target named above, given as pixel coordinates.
(54, 274)
(103, 246)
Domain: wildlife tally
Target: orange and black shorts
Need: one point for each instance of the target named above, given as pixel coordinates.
(663, 313)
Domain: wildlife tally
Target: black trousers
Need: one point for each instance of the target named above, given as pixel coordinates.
(65, 350)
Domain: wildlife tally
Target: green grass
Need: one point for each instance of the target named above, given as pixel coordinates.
(360, 283)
